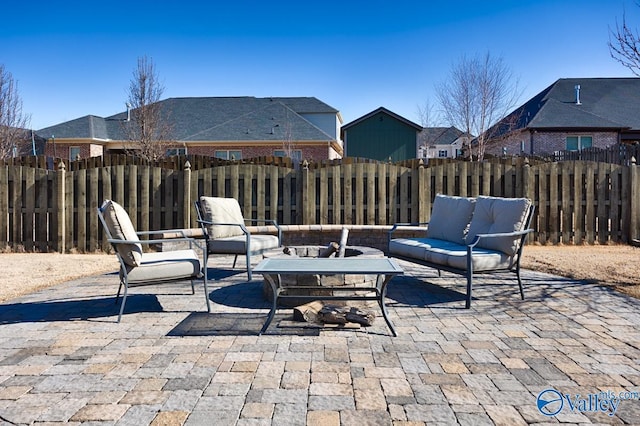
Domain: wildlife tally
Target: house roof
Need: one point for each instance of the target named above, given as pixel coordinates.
(439, 135)
(213, 118)
(384, 111)
(605, 103)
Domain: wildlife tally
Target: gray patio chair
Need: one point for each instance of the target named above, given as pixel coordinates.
(225, 232)
(141, 268)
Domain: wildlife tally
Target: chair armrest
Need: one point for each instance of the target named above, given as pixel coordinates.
(478, 237)
(208, 222)
(191, 241)
(272, 222)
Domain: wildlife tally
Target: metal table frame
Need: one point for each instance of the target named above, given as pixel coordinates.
(385, 269)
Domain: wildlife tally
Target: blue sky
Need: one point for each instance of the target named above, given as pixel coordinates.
(73, 58)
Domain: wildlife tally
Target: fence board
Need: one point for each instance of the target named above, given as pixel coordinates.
(29, 208)
(81, 210)
(589, 203)
(566, 204)
(603, 203)
(554, 205)
(4, 207)
(92, 218)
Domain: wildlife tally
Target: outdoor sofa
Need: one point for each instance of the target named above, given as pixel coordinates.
(469, 235)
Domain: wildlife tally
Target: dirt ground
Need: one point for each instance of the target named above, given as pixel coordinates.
(615, 265)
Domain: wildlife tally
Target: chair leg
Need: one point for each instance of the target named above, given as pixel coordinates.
(119, 290)
(193, 288)
(235, 259)
(206, 293)
(124, 300)
(469, 289)
(249, 275)
(520, 282)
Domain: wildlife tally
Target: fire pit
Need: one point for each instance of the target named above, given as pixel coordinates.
(319, 280)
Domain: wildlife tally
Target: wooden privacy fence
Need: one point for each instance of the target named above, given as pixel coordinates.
(55, 210)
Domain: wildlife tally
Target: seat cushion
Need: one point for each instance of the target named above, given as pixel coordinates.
(416, 248)
(450, 217)
(496, 215)
(483, 259)
(238, 244)
(120, 227)
(165, 266)
(221, 210)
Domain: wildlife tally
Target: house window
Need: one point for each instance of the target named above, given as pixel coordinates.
(576, 143)
(296, 154)
(229, 154)
(443, 153)
(74, 153)
(176, 151)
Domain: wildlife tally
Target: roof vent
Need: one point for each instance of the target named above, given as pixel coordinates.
(577, 87)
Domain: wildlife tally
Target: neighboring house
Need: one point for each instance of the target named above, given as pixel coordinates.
(381, 135)
(572, 114)
(225, 127)
(441, 142)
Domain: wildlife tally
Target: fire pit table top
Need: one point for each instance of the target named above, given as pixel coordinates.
(310, 265)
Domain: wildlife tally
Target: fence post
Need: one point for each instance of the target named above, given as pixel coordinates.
(308, 199)
(634, 225)
(186, 206)
(60, 199)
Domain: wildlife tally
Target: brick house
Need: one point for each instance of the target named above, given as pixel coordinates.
(224, 127)
(571, 114)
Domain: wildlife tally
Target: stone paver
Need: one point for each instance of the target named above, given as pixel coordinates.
(64, 359)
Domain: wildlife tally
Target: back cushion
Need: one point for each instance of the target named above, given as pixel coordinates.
(221, 210)
(496, 215)
(121, 228)
(450, 217)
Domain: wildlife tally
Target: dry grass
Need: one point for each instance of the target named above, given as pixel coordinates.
(615, 265)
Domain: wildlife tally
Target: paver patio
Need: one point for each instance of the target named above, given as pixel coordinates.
(63, 358)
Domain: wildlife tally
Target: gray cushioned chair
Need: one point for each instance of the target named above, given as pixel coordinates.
(138, 267)
(226, 233)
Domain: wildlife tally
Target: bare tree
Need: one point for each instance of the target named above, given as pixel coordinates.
(481, 91)
(147, 128)
(428, 118)
(624, 45)
(13, 123)
(288, 144)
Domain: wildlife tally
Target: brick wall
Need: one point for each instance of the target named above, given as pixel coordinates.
(547, 142)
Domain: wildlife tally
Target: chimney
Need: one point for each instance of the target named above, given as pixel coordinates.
(577, 87)
(128, 111)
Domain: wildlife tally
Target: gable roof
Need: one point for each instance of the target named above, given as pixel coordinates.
(605, 103)
(384, 111)
(213, 118)
(439, 135)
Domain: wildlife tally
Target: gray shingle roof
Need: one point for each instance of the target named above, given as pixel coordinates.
(439, 135)
(605, 103)
(213, 118)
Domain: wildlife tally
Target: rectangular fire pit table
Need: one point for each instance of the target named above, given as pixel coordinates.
(383, 267)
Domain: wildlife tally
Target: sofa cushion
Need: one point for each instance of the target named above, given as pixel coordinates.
(482, 259)
(120, 227)
(496, 215)
(450, 217)
(221, 210)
